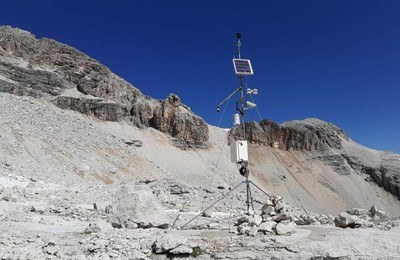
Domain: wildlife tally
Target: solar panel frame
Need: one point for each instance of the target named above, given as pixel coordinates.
(243, 67)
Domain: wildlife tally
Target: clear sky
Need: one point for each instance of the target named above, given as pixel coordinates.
(337, 60)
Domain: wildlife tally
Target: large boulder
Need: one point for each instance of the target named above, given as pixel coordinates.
(137, 207)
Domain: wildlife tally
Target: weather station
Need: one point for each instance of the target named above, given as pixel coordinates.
(239, 148)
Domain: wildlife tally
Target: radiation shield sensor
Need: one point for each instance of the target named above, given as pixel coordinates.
(239, 151)
(243, 67)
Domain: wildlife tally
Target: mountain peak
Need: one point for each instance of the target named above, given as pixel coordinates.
(45, 68)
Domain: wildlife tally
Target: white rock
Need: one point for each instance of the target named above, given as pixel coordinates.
(344, 220)
(267, 226)
(168, 242)
(255, 220)
(358, 212)
(377, 213)
(285, 227)
(244, 230)
(52, 250)
(181, 250)
(267, 209)
(39, 209)
(137, 255)
(253, 231)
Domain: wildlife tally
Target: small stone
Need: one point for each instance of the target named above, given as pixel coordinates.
(344, 220)
(285, 227)
(358, 212)
(276, 199)
(163, 226)
(283, 216)
(182, 250)
(207, 214)
(280, 206)
(52, 250)
(168, 242)
(377, 213)
(244, 230)
(267, 227)
(267, 209)
(243, 219)
(92, 228)
(253, 231)
(39, 209)
(255, 220)
(269, 202)
(137, 255)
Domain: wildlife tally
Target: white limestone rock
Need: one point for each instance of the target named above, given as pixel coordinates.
(285, 227)
(267, 227)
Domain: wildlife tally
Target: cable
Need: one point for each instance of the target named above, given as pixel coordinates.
(223, 112)
(284, 182)
(258, 112)
(220, 153)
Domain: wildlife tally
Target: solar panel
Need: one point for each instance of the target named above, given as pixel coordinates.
(242, 67)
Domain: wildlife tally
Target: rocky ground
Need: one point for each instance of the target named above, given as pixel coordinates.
(41, 220)
(83, 201)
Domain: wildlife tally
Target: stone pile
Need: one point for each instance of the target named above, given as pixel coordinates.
(276, 218)
(356, 217)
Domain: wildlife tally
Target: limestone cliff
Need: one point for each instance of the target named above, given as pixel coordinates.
(45, 68)
(329, 144)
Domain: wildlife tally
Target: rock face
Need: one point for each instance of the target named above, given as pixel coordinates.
(325, 142)
(309, 135)
(45, 68)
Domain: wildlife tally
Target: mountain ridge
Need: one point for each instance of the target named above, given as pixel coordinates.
(48, 69)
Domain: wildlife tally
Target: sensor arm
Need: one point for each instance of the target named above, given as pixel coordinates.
(229, 97)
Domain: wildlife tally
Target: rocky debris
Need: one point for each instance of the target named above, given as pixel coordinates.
(385, 174)
(278, 217)
(70, 228)
(346, 220)
(45, 68)
(356, 217)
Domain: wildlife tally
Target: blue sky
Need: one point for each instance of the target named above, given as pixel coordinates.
(337, 60)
